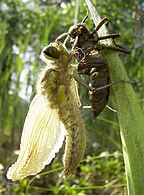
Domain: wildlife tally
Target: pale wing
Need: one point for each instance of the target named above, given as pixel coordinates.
(42, 137)
(74, 92)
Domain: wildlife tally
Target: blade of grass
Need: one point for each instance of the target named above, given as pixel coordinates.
(129, 114)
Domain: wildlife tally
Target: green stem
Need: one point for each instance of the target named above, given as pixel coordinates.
(76, 11)
(131, 122)
(130, 118)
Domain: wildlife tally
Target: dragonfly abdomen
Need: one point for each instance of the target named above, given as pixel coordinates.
(75, 137)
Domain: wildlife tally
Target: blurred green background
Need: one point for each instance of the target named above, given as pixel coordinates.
(25, 28)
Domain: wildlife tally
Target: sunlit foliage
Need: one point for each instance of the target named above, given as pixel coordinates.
(25, 27)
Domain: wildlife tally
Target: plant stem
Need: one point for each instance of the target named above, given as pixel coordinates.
(76, 11)
(130, 118)
(131, 122)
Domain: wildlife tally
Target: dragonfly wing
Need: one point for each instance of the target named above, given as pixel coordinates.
(42, 137)
(74, 92)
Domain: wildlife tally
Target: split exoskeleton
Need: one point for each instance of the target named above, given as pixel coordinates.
(88, 52)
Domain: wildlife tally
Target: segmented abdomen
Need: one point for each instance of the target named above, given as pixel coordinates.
(69, 115)
(75, 137)
(96, 67)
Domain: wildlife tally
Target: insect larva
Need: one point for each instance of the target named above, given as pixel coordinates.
(53, 114)
(88, 52)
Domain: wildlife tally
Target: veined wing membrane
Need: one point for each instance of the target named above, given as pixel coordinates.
(42, 137)
(74, 92)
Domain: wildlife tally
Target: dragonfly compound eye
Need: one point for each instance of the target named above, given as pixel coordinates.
(51, 52)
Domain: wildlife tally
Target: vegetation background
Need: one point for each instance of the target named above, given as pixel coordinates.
(25, 28)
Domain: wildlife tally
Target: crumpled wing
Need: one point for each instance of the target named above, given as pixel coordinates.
(74, 92)
(42, 137)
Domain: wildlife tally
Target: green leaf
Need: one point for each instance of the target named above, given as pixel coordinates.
(130, 118)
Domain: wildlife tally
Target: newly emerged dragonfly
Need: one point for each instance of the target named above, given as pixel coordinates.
(88, 51)
(53, 115)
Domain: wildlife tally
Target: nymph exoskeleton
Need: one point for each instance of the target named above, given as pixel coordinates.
(88, 52)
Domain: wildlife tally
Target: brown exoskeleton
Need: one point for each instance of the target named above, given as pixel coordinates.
(88, 52)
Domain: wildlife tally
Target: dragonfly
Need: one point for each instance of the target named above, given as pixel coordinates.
(53, 117)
